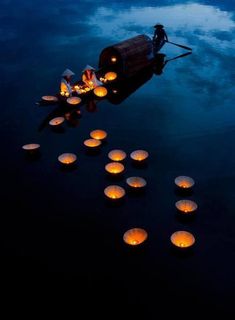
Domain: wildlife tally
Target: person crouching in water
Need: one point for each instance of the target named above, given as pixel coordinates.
(89, 78)
(159, 37)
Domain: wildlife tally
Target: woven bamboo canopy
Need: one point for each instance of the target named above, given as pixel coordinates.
(131, 55)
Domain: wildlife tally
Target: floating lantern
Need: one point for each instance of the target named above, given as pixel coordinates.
(136, 182)
(186, 206)
(49, 98)
(113, 59)
(184, 182)
(114, 168)
(67, 94)
(110, 76)
(182, 239)
(139, 155)
(117, 155)
(74, 100)
(98, 134)
(114, 192)
(135, 236)
(67, 158)
(100, 91)
(31, 147)
(92, 143)
(56, 121)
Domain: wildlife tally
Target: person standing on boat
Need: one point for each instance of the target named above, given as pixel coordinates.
(89, 77)
(159, 37)
(65, 84)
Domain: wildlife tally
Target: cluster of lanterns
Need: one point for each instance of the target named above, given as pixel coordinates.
(136, 236)
(184, 239)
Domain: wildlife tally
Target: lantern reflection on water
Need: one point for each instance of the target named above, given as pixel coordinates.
(186, 206)
(114, 168)
(184, 182)
(110, 76)
(114, 192)
(92, 143)
(139, 155)
(98, 134)
(136, 182)
(56, 121)
(100, 91)
(182, 239)
(67, 158)
(117, 155)
(135, 236)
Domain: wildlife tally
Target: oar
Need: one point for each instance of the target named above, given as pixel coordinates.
(180, 56)
(179, 45)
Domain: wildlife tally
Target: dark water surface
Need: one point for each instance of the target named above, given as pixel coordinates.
(61, 240)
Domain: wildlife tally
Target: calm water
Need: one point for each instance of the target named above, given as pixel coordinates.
(60, 237)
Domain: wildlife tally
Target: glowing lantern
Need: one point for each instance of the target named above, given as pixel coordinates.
(31, 147)
(184, 182)
(100, 91)
(114, 192)
(92, 143)
(98, 134)
(135, 236)
(74, 100)
(117, 155)
(113, 59)
(186, 206)
(136, 182)
(56, 121)
(139, 155)
(110, 76)
(49, 98)
(182, 239)
(67, 158)
(114, 168)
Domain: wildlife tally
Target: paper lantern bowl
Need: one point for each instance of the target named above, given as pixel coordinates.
(98, 134)
(55, 122)
(114, 168)
(49, 99)
(92, 143)
(100, 92)
(92, 146)
(184, 182)
(136, 184)
(186, 207)
(110, 76)
(182, 239)
(67, 159)
(139, 155)
(114, 193)
(135, 236)
(117, 155)
(74, 101)
(32, 150)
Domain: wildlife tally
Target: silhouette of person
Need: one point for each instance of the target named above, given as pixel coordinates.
(65, 84)
(159, 37)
